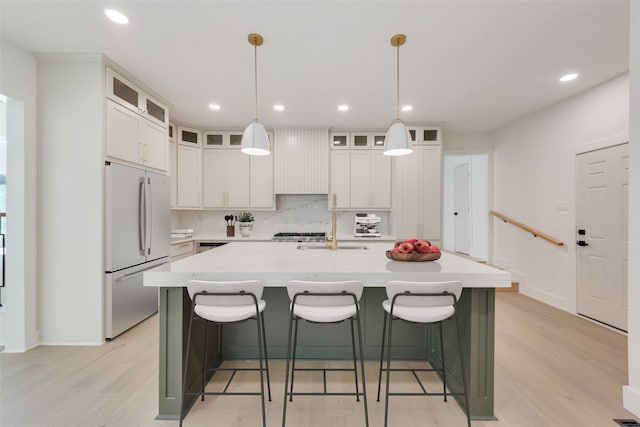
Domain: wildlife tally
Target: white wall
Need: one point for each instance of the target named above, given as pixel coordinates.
(631, 393)
(534, 183)
(71, 112)
(19, 318)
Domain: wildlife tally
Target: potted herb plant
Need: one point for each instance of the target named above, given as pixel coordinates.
(245, 223)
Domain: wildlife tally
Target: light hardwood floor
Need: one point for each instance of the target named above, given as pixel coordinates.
(552, 369)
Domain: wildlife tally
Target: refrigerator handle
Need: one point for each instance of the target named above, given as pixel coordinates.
(142, 221)
(148, 215)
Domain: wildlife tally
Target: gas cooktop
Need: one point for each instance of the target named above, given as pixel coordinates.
(299, 237)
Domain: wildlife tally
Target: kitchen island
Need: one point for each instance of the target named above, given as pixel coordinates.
(277, 263)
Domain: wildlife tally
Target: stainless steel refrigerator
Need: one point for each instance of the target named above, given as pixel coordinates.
(137, 240)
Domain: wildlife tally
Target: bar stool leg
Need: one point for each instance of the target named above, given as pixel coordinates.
(386, 401)
(355, 365)
(186, 365)
(266, 357)
(444, 373)
(260, 356)
(293, 365)
(204, 359)
(464, 376)
(384, 330)
(286, 379)
(364, 385)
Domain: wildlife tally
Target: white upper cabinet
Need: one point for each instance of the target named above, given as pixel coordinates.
(360, 174)
(225, 179)
(261, 185)
(370, 180)
(173, 169)
(132, 138)
(417, 194)
(340, 179)
(189, 177)
(173, 131)
(125, 93)
(425, 134)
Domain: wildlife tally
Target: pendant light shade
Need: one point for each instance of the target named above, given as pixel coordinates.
(397, 141)
(255, 140)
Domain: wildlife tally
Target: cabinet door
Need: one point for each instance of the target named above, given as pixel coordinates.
(431, 165)
(407, 203)
(237, 175)
(361, 188)
(155, 111)
(123, 92)
(122, 133)
(380, 180)
(189, 177)
(261, 185)
(339, 179)
(155, 141)
(214, 179)
(173, 167)
(190, 137)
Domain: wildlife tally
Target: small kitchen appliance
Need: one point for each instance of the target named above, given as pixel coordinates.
(366, 225)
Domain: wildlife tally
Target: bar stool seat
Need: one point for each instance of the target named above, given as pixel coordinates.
(228, 314)
(419, 314)
(324, 314)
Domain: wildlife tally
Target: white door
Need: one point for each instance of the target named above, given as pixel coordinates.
(461, 208)
(602, 178)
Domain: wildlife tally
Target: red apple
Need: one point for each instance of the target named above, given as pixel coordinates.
(435, 249)
(411, 240)
(422, 246)
(395, 250)
(406, 247)
(398, 244)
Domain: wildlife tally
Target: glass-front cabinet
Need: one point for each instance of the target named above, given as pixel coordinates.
(425, 134)
(222, 139)
(125, 93)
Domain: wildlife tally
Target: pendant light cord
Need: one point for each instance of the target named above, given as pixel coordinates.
(398, 80)
(255, 75)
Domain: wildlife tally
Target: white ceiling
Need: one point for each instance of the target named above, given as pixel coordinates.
(473, 66)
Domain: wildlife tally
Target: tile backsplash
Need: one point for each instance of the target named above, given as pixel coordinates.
(294, 213)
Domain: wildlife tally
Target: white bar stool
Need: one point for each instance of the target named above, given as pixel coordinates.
(422, 302)
(324, 302)
(227, 302)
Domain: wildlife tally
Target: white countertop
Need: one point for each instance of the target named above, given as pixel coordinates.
(221, 237)
(277, 262)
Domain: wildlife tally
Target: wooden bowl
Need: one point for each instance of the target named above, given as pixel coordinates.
(413, 257)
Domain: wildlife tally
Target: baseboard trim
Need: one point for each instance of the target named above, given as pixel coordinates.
(631, 399)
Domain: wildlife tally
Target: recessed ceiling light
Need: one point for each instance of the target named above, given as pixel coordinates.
(116, 16)
(343, 107)
(407, 108)
(214, 107)
(278, 107)
(568, 77)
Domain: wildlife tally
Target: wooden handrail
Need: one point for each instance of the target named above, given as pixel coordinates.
(533, 231)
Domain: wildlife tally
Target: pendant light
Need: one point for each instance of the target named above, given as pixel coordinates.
(397, 141)
(255, 140)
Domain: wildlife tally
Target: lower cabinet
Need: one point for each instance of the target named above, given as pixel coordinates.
(181, 250)
(417, 202)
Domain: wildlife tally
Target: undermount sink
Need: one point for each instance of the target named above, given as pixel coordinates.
(304, 246)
